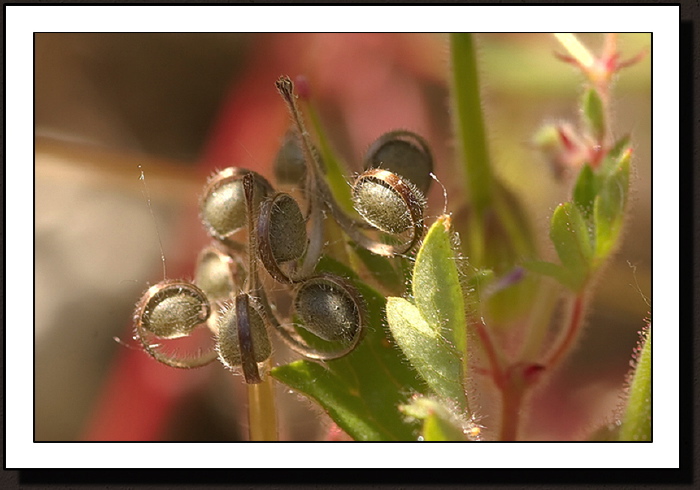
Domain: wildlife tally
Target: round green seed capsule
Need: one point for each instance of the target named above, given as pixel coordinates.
(218, 275)
(287, 229)
(328, 309)
(172, 309)
(381, 205)
(223, 210)
(223, 205)
(403, 153)
(228, 344)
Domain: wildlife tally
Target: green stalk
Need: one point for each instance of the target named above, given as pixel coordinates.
(469, 122)
(486, 196)
(262, 418)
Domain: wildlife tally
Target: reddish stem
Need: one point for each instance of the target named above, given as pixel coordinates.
(513, 382)
(512, 397)
(492, 355)
(572, 331)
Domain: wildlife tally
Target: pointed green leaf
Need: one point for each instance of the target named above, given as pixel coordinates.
(594, 113)
(436, 287)
(619, 151)
(572, 242)
(362, 391)
(429, 352)
(619, 146)
(636, 425)
(609, 209)
(585, 191)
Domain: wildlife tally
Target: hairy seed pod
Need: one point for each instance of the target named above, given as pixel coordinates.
(404, 153)
(223, 203)
(290, 165)
(231, 320)
(388, 202)
(329, 307)
(218, 274)
(172, 309)
(281, 229)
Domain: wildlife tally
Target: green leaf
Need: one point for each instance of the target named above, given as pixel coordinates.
(331, 391)
(437, 291)
(362, 391)
(437, 361)
(619, 146)
(585, 191)
(636, 424)
(572, 242)
(439, 424)
(594, 113)
(609, 209)
(619, 151)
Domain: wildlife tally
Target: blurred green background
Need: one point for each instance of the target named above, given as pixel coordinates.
(107, 103)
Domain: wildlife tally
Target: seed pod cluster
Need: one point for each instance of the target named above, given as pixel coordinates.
(252, 224)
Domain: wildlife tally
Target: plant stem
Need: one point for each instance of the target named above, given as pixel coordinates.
(485, 192)
(512, 390)
(572, 330)
(512, 397)
(262, 418)
(335, 171)
(469, 121)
